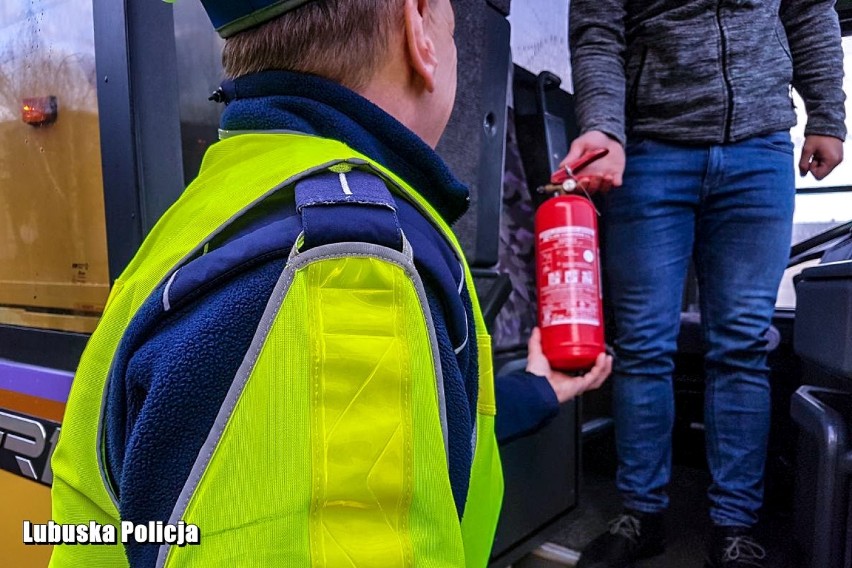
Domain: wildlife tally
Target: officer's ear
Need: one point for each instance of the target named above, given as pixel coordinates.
(418, 37)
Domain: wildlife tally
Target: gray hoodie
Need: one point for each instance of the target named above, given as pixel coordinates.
(706, 71)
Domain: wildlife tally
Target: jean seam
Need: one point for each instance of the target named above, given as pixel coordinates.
(710, 388)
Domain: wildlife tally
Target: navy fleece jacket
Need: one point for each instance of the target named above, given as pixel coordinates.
(173, 368)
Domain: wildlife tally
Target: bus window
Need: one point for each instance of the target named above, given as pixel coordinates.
(53, 254)
(199, 61)
(818, 212)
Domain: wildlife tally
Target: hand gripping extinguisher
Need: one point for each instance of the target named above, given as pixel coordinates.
(570, 313)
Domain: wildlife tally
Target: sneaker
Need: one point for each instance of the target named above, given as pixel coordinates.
(631, 536)
(734, 547)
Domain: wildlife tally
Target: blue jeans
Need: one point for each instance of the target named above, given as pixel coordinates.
(729, 207)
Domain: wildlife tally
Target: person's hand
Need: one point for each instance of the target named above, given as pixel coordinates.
(820, 155)
(603, 174)
(565, 386)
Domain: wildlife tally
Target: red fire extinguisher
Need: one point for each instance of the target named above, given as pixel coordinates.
(570, 313)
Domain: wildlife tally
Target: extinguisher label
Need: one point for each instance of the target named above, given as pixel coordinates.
(569, 289)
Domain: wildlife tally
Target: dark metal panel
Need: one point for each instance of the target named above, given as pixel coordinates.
(140, 127)
(55, 349)
(121, 202)
(492, 154)
(154, 96)
(473, 143)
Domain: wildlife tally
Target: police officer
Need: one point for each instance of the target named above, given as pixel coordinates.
(295, 360)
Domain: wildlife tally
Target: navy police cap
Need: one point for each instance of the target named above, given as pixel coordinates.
(232, 16)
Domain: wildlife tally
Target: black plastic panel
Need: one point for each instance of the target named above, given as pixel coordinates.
(473, 144)
(824, 317)
(541, 476)
(823, 472)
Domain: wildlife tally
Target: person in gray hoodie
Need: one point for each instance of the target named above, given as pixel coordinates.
(693, 101)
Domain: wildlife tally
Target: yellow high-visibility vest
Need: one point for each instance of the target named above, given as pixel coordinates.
(322, 454)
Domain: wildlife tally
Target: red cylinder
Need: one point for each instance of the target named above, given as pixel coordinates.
(570, 312)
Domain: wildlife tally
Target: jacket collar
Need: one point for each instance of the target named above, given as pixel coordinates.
(282, 100)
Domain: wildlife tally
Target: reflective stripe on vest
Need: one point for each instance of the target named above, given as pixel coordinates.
(254, 163)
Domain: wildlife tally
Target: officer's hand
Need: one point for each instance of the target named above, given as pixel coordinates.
(820, 155)
(565, 386)
(604, 174)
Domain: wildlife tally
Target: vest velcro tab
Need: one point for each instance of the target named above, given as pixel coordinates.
(327, 198)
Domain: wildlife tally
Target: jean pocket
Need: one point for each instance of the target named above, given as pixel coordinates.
(777, 141)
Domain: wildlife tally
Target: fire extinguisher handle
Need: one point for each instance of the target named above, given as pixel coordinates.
(588, 158)
(583, 161)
